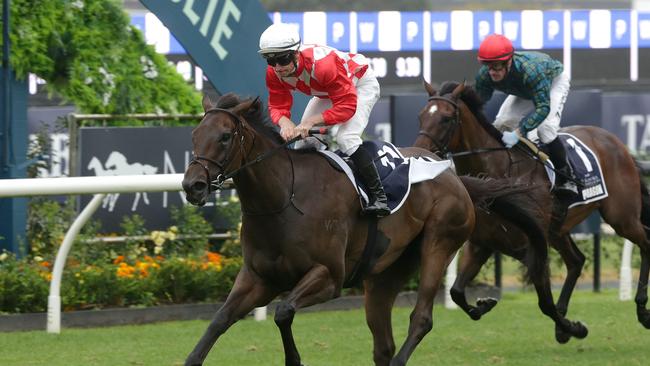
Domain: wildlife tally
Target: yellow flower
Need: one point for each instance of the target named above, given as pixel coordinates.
(3, 256)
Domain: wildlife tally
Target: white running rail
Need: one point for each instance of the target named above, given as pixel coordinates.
(99, 187)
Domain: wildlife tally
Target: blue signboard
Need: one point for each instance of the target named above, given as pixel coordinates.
(588, 28)
(338, 30)
(511, 27)
(412, 28)
(644, 29)
(553, 29)
(620, 28)
(580, 29)
(483, 25)
(440, 31)
(367, 32)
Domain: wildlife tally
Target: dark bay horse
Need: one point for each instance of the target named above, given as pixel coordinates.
(302, 231)
(453, 122)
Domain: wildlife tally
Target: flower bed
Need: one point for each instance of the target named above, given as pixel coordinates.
(146, 281)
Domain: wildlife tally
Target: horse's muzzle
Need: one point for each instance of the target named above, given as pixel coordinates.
(196, 191)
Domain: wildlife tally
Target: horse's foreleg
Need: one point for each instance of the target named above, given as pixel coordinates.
(435, 260)
(641, 298)
(381, 291)
(315, 287)
(562, 325)
(574, 261)
(473, 258)
(247, 293)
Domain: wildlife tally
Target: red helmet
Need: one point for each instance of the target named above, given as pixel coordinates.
(495, 47)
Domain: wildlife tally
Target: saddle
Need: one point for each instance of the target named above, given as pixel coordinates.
(397, 173)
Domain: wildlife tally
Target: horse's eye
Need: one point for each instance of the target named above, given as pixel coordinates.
(225, 137)
(446, 120)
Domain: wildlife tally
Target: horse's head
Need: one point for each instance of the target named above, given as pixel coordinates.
(439, 119)
(217, 145)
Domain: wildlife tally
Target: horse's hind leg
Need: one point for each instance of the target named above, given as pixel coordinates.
(473, 258)
(627, 225)
(315, 287)
(380, 292)
(435, 259)
(574, 261)
(246, 294)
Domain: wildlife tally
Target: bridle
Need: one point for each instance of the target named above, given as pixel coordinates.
(217, 183)
(443, 145)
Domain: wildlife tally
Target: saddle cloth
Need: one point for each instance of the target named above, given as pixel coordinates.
(587, 170)
(397, 173)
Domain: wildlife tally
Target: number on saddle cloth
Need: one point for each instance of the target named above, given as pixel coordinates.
(586, 169)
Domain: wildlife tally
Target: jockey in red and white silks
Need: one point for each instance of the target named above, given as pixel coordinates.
(344, 89)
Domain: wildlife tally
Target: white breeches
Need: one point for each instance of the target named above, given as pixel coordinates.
(348, 134)
(514, 109)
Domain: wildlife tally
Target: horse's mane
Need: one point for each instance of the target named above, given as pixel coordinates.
(475, 105)
(256, 116)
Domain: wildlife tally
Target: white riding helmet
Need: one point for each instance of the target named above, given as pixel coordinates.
(278, 38)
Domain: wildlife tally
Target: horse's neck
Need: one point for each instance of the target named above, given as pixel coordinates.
(266, 185)
(506, 163)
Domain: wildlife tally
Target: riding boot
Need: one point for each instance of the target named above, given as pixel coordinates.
(377, 201)
(564, 176)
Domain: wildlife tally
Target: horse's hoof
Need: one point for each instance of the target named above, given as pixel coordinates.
(486, 304)
(561, 336)
(579, 330)
(643, 316)
(474, 313)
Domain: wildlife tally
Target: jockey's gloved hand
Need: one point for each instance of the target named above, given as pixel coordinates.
(510, 138)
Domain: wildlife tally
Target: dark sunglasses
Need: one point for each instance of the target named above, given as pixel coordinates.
(495, 65)
(282, 60)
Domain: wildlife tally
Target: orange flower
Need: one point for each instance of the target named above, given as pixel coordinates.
(124, 270)
(45, 264)
(213, 257)
(119, 259)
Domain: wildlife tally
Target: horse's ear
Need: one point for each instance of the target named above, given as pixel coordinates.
(429, 88)
(243, 107)
(458, 90)
(207, 103)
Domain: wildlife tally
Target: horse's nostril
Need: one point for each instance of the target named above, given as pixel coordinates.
(199, 187)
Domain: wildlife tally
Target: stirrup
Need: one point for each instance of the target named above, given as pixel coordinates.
(568, 186)
(377, 209)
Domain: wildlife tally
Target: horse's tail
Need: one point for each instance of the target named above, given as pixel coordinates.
(645, 200)
(517, 205)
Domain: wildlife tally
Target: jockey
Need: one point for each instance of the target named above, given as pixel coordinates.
(344, 90)
(537, 87)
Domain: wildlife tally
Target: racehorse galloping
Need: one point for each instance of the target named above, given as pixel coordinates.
(453, 121)
(302, 231)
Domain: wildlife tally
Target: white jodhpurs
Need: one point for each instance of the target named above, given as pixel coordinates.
(348, 134)
(515, 108)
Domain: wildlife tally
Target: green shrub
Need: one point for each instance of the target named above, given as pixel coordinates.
(89, 54)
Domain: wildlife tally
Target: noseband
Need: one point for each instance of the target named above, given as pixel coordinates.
(443, 145)
(202, 160)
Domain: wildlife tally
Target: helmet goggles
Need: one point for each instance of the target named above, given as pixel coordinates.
(282, 59)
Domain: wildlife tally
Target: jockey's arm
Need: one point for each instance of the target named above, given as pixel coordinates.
(542, 102)
(341, 92)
